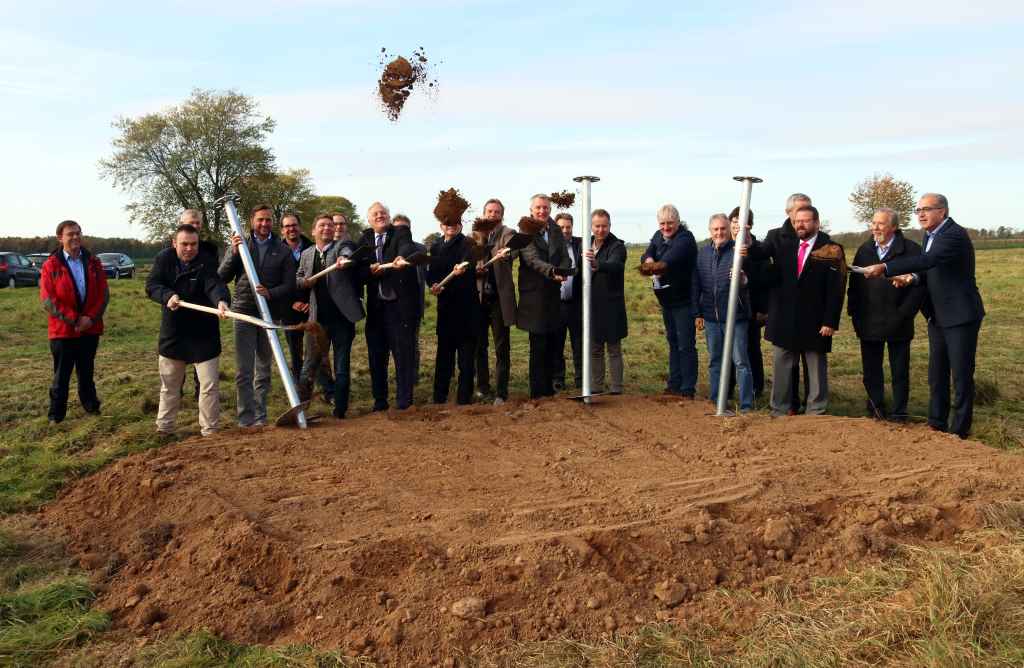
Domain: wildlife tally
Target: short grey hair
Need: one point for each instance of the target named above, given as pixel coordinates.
(716, 216)
(941, 199)
(190, 213)
(894, 217)
(668, 212)
(546, 198)
(378, 204)
(796, 197)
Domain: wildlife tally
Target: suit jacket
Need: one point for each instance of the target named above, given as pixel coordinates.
(607, 293)
(276, 272)
(947, 270)
(291, 316)
(458, 304)
(539, 293)
(502, 270)
(801, 305)
(880, 311)
(404, 282)
(342, 284)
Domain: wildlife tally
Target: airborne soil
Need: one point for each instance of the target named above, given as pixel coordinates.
(418, 536)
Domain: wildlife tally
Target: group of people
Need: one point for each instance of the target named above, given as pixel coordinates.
(792, 285)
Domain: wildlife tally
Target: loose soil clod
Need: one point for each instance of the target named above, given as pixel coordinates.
(401, 76)
(563, 200)
(450, 206)
(531, 226)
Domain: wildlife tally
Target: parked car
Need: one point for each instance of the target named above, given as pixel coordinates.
(117, 265)
(16, 269)
(37, 259)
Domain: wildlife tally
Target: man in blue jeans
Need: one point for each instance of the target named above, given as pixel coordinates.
(710, 299)
(669, 260)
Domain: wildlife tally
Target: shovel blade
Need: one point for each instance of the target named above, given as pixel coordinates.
(290, 418)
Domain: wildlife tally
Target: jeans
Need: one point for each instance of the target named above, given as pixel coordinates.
(714, 333)
(252, 377)
(681, 333)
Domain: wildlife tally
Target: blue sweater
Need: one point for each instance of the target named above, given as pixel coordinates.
(711, 284)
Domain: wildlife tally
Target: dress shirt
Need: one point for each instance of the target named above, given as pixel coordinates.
(77, 268)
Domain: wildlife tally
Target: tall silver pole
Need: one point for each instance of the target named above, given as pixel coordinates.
(734, 293)
(585, 216)
(228, 202)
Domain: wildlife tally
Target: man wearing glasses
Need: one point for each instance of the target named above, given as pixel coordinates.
(291, 234)
(952, 307)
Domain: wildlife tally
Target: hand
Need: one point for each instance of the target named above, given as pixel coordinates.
(503, 253)
(401, 262)
(84, 323)
(590, 254)
(648, 260)
(761, 317)
(559, 279)
(375, 269)
(745, 248)
(174, 302)
(826, 330)
(222, 310)
(262, 290)
(480, 272)
(301, 307)
(874, 271)
(700, 324)
(743, 276)
(902, 281)
(460, 268)
(343, 262)
(435, 289)
(236, 241)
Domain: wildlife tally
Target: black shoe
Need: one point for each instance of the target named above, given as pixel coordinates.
(377, 407)
(92, 410)
(899, 419)
(558, 385)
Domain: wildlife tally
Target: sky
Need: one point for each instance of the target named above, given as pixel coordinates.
(665, 102)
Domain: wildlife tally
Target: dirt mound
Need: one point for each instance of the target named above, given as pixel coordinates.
(563, 200)
(450, 206)
(415, 536)
(400, 77)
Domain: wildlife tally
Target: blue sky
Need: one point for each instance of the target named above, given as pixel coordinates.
(665, 102)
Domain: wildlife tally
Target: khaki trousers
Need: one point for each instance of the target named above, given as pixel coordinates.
(172, 375)
(615, 364)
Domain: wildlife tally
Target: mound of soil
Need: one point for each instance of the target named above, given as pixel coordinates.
(413, 537)
(400, 77)
(450, 206)
(563, 200)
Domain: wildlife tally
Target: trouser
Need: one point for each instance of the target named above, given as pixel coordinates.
(544, 354)
(571, 323)
(951, 350)
(172, 376)
(253, 358)
(416, 353)
(450, 347)
(681, 333)
(755, 357)
(294, 339)
(78, 355)
(784, 362)
(597, 352)
(388, 336)
(871, 353)
(491, 319)
(714, 333)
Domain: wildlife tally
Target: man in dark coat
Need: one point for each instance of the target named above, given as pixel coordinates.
(805, 308)
(952, 307)
(402, 220)
(883, 315)
(275, 270)
(458, 312)
(570, 307)
(497, 305)
(543, 265)
(608, 325)
(182, 273)
(291, 234)
(393, 307)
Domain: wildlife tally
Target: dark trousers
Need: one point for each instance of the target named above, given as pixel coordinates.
(571, 323)
(490, 319)
(294, 340)
(871, 354)
(450, 347)
(341, 335)
(681, 332)
(756, 359)
(544, 356)
(387, 335)
(951, 350)
(78, 355)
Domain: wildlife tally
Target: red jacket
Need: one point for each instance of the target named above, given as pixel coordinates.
(61, 300)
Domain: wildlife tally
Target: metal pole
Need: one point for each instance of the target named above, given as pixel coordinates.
(734, 293)
(228, 202)
(585, 215)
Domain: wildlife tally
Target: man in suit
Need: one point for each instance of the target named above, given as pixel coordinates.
(805, 308)
(458, 305)
(402, 220)
(275, 271)
(393, 307)
(543, 265)
(334, 302)
(570, 306)
(952, 307)
(883, 315)
(291, 234)
(497, 306)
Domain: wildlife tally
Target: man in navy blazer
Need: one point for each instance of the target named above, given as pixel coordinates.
(952, 307)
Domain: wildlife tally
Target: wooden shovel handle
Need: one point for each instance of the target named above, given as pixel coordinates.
(231, 314)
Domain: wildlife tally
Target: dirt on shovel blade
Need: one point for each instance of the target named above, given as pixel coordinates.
(450, 206)
(401, 76)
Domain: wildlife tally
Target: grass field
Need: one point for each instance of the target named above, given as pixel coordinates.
(948, 608)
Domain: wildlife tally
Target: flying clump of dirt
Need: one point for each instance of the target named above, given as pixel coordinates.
(450, 206)
(401, 76)
(563, 200)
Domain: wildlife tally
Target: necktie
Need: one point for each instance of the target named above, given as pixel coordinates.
(800, 257)
(380, 248)
(927, 241)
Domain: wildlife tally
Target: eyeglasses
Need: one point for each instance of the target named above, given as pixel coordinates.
(289, 227)
(922, 209)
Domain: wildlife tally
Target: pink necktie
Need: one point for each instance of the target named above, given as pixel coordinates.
(800, 257)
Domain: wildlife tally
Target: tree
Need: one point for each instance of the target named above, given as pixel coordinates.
(287, 191)
(187, 157)
(330, 204)
(883, 190)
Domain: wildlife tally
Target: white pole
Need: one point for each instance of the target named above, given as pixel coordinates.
(734, 293)
(228, 203)
(585, 216)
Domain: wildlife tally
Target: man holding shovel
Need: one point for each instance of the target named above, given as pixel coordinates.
(179, 274)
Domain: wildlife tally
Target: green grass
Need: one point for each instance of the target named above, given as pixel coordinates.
(46, 605)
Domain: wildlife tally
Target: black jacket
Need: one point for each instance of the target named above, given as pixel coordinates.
(880, 311)
(760, 281)
(948, 272)
(276, 272)
(539, 294)
(608, 321)
(680, 254)
(187, 335)
(290, 315)
(458, 305)
(403, 282)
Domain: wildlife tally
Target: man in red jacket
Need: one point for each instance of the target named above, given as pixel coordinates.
(73, 290)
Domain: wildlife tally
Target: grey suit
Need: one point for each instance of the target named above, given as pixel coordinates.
(498, 314)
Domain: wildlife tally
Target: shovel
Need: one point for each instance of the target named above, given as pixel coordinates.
(357, 255)
(252, 320)
(452, 275)
(290, 417)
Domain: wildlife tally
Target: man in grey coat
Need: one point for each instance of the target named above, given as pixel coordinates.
(498, 304)
(275, 270)
(543, 266)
